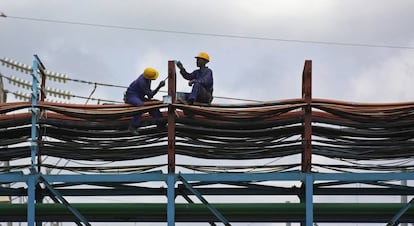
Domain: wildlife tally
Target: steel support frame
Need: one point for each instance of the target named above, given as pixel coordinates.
(35, 174)
(305, 176)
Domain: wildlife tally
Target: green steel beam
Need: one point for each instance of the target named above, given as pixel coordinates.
(143, 191)
(235, 212)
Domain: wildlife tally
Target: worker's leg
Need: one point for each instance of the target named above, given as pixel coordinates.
(157, 115)
(199, 94)
(134, 100)
(194, 93)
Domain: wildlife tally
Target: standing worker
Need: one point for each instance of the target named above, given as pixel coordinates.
(201, 80)
(136, 93)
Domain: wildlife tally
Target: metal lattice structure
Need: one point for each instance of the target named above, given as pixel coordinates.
(368, 144)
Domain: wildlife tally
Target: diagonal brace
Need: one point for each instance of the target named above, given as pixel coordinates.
(395, 219)
(72, 209)
(185, 196)
(204, 201)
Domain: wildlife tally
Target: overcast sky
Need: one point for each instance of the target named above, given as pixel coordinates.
(257, 47)
(245, 68)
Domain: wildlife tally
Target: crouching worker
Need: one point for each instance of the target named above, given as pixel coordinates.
(140, 91)
(201, 80)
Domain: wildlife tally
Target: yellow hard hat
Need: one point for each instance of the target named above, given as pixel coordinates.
(203, 55)
(150, 73)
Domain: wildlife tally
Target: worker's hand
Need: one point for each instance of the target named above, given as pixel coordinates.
(180, 65)
(162, 84)
(190, 83)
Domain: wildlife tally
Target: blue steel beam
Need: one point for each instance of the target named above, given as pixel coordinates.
(223, 177)
(13, 177)
(31, 180)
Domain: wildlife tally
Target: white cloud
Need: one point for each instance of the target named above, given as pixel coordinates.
(387, 81)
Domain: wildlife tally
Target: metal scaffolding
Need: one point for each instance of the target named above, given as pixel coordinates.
(355, 137)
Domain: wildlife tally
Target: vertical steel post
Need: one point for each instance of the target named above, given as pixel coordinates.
(307, 140)
(404, 198)
(171, 116)
(31, 186)
(34, 111)
(31, 183)
(171, 199)
(307, 114)
(309, 198)
(171, 144)
(42, 94)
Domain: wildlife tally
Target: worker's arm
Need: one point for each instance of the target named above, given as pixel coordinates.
(160, 85)
(184, 73)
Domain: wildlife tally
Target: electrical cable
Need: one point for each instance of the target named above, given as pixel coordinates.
(358, 135)
(90, 95)
(22, 67)
(213, 34)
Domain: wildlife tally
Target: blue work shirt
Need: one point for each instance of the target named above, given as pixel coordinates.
(140, 87)
(203, 76)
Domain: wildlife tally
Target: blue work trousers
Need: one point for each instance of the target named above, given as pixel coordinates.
(136, 101)
(200, 94)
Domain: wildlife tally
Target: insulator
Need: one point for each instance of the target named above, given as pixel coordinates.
(27, 67)
(12, 80)
(27, 83)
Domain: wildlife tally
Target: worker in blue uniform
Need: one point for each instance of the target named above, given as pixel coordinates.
(201, 80)
(140, 91)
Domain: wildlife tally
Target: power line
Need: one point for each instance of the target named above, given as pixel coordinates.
(19, 66)
(211, 34)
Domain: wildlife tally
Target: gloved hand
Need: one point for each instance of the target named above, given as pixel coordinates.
(180, 65)
(190, 83)
(162, 84)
